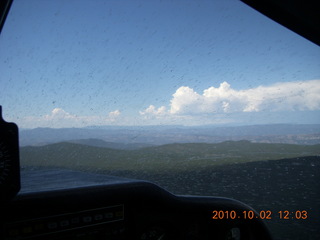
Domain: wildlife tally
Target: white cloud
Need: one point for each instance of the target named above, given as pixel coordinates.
(224, 104)
(61, 118)
(152, 110)
(221, 104)
(288, 96)
(114, 114)
(185, 99)
(59, 113)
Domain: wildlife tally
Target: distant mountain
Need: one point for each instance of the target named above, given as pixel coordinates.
(158, 135)
(100, 143)
(159, 158)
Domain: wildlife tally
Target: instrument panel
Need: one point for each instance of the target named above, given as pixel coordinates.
(129, 210)
(68, 223)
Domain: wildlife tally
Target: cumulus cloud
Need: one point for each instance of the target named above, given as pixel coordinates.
(59, 113)
(284, 96)
(114, 114)
(152, 110)
(288, 96)
(218, 104)
(61, 118)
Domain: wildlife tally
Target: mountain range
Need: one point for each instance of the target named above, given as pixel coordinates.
(134, 137)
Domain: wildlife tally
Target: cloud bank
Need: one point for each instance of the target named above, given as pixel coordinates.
(60, 118)
(280, 102)
(287, 96)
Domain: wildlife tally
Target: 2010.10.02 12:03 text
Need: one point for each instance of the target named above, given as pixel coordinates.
(263, 214)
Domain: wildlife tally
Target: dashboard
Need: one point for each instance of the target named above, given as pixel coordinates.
(126, 209)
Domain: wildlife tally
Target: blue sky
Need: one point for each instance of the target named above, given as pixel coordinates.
(79, 63)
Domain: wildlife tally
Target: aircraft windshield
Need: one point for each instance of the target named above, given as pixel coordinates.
(201, 97)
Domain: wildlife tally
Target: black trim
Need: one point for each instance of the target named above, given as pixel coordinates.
(4, 10)
(300, 16)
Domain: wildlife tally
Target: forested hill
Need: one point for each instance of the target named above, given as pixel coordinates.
(170, 156)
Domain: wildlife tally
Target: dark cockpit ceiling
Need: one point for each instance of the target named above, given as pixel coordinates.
(300, 16)
(4, 9)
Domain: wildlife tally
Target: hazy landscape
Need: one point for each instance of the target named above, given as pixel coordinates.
(141, 136)
(270, 168)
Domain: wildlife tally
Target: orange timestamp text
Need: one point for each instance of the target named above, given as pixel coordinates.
(263, 214)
